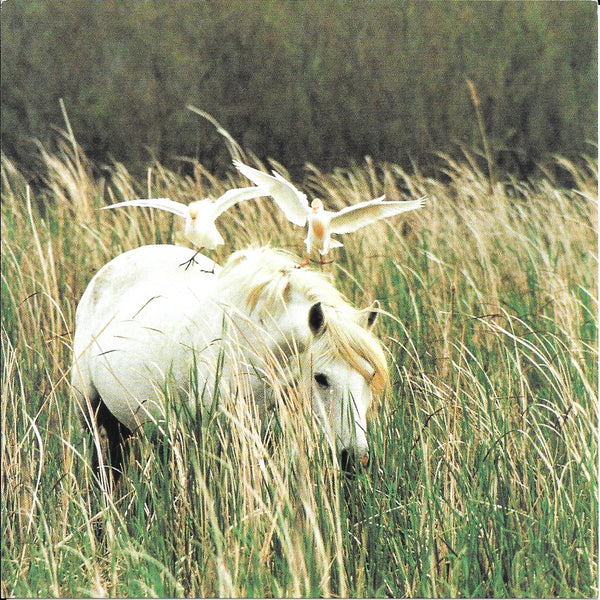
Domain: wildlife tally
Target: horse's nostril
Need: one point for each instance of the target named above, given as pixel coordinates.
(347, 460)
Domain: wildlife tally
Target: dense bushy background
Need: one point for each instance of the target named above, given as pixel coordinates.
(321, 81)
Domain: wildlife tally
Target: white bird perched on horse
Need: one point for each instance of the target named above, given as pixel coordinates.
(323, 223)
(200, 215)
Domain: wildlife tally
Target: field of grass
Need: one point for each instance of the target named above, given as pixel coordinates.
(484, 448)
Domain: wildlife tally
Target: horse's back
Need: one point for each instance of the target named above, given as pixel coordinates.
(130, 321)
(150, 264)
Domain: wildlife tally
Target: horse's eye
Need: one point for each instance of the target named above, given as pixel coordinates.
(322, 380)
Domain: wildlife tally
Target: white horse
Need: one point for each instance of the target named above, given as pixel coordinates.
(144, 322)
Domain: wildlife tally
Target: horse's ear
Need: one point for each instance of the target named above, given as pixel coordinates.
(316, 318)
(372, 314)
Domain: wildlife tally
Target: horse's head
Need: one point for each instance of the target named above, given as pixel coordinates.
(343, 368)
(304, 322)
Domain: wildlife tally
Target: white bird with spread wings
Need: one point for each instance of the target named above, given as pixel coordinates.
(200, 215)
(323, 223)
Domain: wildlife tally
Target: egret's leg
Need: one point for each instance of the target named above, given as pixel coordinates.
(306, 261)
(322, 261)
(188, 263)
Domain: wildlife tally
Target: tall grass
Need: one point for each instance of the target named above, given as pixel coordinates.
(483, 478)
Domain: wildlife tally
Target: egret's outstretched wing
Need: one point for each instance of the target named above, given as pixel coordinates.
(290, 200)
(354, 217)
(231, 197)
(163, 203)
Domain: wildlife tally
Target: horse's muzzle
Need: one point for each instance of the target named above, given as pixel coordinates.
(349, 462)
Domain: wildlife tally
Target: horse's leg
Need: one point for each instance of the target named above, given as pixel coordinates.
(113, 437)
(87, 404)
(109, 435)
(108, 439)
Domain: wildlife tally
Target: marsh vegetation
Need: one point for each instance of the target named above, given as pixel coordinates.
(483, 471)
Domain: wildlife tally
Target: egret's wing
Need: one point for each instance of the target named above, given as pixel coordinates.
(354, 217)
(290, 200)
(163, 203)
(231, 197)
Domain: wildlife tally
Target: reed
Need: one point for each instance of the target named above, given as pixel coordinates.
(483, 478)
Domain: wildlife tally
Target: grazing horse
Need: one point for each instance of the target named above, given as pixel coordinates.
(144, 323)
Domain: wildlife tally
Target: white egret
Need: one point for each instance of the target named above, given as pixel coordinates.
(200, 215)
(323, 223)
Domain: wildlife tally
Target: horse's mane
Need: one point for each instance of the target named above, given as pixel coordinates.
(268, 278)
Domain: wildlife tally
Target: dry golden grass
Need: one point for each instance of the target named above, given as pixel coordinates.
(484, 472)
